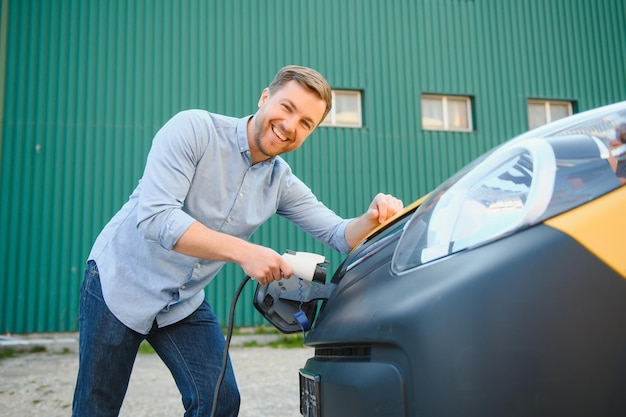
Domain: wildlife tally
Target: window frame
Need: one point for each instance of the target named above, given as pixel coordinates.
(547, 103)
(331, 118)
(446, 119)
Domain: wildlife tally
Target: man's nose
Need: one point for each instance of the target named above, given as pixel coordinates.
(290, 124)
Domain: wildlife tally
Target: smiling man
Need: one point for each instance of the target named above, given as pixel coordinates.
(287, 115)
(209, 182)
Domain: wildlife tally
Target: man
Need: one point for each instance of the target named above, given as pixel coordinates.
(209, 182)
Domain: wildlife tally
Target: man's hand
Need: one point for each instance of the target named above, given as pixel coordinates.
(382, 208)
(265, 265)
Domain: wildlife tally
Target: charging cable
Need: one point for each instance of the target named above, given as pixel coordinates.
(305, 266)
(229, 334)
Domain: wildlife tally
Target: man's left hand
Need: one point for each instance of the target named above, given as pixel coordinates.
(384, 207)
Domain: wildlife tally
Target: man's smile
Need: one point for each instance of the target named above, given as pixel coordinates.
(279, 134)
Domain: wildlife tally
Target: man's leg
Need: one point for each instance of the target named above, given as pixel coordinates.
(193, 350)
(107, 352)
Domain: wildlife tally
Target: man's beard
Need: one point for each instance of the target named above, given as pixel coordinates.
(258, 139)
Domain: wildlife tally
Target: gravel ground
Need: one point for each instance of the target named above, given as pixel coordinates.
(42, 384)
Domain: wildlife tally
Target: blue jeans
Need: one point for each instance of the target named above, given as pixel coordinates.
(192, 349)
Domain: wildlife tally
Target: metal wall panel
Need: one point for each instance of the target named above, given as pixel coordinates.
(88, 83)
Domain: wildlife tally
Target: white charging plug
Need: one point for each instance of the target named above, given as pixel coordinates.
(303, 264)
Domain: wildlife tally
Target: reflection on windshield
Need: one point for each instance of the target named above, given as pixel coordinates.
(610, 128)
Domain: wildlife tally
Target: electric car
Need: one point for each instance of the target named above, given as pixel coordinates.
(501, 293)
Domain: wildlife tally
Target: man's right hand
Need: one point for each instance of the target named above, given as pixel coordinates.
(265, 265)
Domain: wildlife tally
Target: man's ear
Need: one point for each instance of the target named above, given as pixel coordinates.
(264, 95)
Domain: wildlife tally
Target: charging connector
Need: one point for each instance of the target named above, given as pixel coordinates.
(305, 265)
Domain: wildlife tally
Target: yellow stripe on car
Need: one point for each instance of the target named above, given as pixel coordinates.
(599, 226)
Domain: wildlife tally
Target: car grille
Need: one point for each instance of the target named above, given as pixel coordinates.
(343, 352)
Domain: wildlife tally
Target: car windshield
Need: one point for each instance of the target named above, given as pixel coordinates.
(532, 177)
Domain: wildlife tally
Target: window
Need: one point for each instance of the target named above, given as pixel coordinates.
(541, 112)
(346, 111)
(447, 113)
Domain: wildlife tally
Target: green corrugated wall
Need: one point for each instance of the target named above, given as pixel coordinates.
(84, 85)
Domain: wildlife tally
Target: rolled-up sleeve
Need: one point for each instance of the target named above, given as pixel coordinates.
(167, 177)
(300, 206)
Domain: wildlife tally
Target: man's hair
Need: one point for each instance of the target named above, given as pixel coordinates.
(308, 78)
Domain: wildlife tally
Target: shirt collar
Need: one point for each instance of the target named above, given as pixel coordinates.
(242, 135)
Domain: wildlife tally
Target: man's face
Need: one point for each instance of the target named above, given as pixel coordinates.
(284, 120)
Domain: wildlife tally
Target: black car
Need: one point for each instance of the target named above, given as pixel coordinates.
(501, 293)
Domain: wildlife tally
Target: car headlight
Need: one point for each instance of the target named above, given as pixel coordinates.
(518, 184)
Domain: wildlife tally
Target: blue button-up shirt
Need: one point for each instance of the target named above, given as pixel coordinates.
(198, 169)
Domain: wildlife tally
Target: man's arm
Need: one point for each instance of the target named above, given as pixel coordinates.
(381, 209)
(260, 263)
(264, 264)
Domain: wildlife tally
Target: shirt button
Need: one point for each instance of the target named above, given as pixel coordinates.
(229, 219)
(183, 287)
(198, 266)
